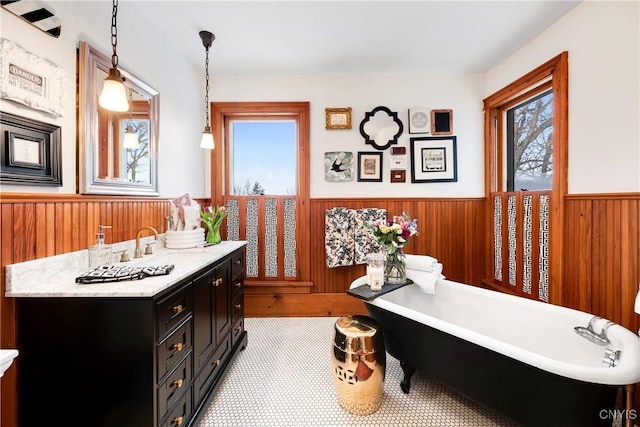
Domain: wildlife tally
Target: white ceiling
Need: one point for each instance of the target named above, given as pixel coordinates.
(344, 37)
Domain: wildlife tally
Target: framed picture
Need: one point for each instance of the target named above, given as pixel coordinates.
(434, 159)
(31, 80)
(369, 166)
(441, 122)
(398, 162)
(338, 166)
(419, 120)
(398, 176)
(338, 118)
(30, 152)
(37, 14)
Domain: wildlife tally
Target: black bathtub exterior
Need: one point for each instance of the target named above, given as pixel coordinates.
(527, 395)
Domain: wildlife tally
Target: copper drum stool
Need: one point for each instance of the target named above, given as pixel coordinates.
(358, 363)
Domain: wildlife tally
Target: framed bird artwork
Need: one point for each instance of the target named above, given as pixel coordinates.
(338, 166)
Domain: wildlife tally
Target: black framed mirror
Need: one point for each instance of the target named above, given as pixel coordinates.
(105, 165)
(381, 128)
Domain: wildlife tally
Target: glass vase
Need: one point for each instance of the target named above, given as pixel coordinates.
(395, 269)
(213, 235)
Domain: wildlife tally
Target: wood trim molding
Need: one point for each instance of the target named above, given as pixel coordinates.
(604, 196)
(303, 305)
(52, 198)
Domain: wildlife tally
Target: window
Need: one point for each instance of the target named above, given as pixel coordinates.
(262, 157)
(530, 143)
(526, 137)
(260, 172)
(135, 168)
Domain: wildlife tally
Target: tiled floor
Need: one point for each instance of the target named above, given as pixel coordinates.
(283, 379)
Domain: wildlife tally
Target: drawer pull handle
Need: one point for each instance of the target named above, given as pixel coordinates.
(238, 328)
(216, 362)
(238, 262)
(177, 421)
(177, 308)
(177, 346)
(238, 306)
(238, 285)
(177, 383)
(217, 282)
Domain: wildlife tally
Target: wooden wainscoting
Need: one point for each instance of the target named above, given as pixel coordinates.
(451, 230)
(602, 255)
(38, 225)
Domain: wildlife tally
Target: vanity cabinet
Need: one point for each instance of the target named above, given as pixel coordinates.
(134, 361)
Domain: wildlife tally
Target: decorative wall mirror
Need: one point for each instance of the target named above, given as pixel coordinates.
(381, 128)
(105, 165)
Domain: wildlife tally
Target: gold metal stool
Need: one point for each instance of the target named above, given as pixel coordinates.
(358, 363)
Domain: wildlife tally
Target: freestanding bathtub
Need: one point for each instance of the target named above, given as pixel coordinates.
(518, 357)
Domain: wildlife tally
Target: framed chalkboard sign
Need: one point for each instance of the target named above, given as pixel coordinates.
(441, 122)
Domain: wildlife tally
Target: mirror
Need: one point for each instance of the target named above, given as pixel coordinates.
(105, 166)
(381, 128)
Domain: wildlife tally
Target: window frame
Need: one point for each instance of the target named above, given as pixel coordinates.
(220, 113)
(554, 72)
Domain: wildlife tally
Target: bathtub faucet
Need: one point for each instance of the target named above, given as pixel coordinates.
(590, 334)
(611, 357)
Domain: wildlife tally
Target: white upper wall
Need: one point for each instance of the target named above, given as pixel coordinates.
(602, 39)
(181, 87)
(461, 93)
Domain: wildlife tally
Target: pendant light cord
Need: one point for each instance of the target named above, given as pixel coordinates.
(114, 34)
(206, 96)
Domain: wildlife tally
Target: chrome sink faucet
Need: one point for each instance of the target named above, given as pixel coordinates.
(138, 253)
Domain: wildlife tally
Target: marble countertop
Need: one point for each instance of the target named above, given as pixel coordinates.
(54, 277)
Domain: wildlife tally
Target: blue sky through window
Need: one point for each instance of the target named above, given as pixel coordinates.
(264, 151)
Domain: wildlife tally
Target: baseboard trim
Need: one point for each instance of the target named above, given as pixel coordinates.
(302, 305)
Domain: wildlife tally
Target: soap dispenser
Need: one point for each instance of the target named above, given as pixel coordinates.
(100, 253)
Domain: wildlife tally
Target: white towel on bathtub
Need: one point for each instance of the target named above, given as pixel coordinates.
(426, 280)
(420, 262)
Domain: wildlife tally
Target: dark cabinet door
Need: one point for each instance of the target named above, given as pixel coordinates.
(204, 300)
(222, 314)
(211, 312)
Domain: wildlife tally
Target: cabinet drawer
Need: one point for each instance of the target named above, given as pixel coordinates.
(180, 413)
(237, 286)
(173, 349)
(176, 384)
(237, 308)
(237, 264)
(236, 330)
(172, 310)
(209, 373)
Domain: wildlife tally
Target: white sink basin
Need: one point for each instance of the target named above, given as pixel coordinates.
(6, 358)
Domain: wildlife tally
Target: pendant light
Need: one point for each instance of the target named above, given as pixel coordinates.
(130, 137)
(207, 137)
(114, 96)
